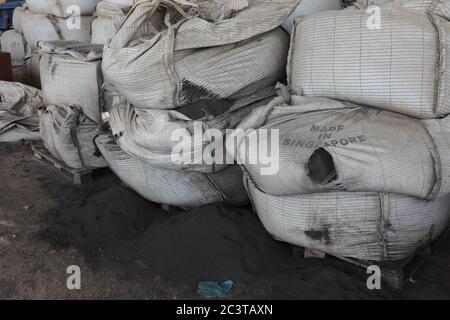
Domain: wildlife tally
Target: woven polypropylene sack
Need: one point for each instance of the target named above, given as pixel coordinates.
(63, 8)
(327, 145)
(13, 42)
(69, 136)
(159, 136)
(402, 66)
(308, 7)
(71, 75)
(18, 15)
(366, 226)
(38, 27)
(15, 127)
(177, 188)
(197, 59)
(19, 106)
(108, 17)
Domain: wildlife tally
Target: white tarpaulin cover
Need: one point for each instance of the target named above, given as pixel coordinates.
(327, 145)
(147, 134)
(19, 106)
(178, 188)
(69, 136)
(366, 226)
(189, 58)
(71, 75)
(401, 66)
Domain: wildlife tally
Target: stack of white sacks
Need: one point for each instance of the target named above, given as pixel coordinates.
(183, 63)
(184, 68)
(52, 47)
(364, 132)
(53, 20)
(365, 175)
(72, 89)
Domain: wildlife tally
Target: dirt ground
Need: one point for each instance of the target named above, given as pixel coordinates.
(41, 234)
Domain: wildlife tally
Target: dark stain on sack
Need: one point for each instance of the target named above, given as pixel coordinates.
(389, 227)
(320, 235)
(191, 92)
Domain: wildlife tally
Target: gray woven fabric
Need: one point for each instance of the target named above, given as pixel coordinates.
(366, 226)
(71, 75)
(19, 106)
(192, 58)
(15, 128)
(69, 136)
(401, 67)
(309, 7)
(327, 145)
(38, 27)
(178, 188)
(147, 134)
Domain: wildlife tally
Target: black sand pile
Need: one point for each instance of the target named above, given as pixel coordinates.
(215, 242)
(105, 221)
(211, 243)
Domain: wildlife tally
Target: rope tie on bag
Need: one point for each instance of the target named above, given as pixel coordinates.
(384, 216)
(54, 22)
(169, 49)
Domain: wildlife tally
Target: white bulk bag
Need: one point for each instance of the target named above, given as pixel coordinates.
(154, 136)
(71, 75)
(366, 226)
(108, 18)
(178, 188)
(401, 66)
(19, 106)
(32, 70)
(38, 27)
(308, 7)
(194, 58)
(63, 8)
(18, 16)
(69, 136)
(326, 145)
(13, 42)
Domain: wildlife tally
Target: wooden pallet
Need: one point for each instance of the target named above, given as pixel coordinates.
(76, 176)
(395, 274)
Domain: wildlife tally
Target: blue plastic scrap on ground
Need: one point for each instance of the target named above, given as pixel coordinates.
(210, 289)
